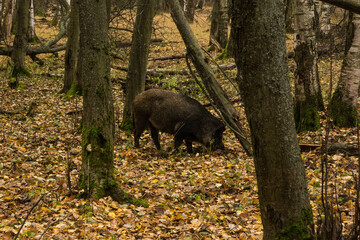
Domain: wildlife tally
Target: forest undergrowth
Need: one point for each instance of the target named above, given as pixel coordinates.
(205, 195)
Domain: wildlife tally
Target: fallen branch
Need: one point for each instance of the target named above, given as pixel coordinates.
(333, 148)
(165, 71)
(32, 208)
(52, 223)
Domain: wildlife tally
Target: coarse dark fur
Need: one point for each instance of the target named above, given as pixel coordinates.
(176, 114)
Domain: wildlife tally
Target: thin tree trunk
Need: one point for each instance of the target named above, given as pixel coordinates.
(189, 9)
(20, 41)
(32, 33)
(207, 76)
(308, 98)
(219, 22)
(71, 83)
(345, 98)
(324, 18)
(8, 7)
(135, 81)
(263, 78)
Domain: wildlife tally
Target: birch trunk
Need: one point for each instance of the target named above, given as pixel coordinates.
(345, 98)
(308, 98)
(219, 22)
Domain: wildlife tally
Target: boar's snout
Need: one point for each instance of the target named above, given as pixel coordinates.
(214, 140)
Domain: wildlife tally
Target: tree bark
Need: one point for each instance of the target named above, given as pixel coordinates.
(219, 22)
(31, 32)
(207, 76)
(344, 101)
(71, 83)
(263, 78)
(351, 5)
(20, 41)
(135, 80)
(97, 177)
(189, 10)
(308, 98)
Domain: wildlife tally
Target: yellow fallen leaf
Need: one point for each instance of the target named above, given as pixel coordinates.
(8, 198)
(112, 214)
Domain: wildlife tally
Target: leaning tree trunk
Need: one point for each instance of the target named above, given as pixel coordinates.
(97, 177)
(351, 5)
(135, 80)
(219, 23)
(263, 78)
(345, 98)
(308, 98)
(20, 41)
(71, 83)
(207, 76)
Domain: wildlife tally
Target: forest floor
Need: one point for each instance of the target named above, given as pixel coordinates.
(205, 195)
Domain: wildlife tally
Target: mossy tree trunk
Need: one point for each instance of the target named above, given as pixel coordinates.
(219, 22)
(20, 41)
(208, 78)
(135, 80)
(71, 82)
(308, 98)
(263, 78)
(345, 98)
(97, 177)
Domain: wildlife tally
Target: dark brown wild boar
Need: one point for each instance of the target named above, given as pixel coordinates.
(176, 114)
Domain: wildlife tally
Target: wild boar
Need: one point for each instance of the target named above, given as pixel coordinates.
(176, 114)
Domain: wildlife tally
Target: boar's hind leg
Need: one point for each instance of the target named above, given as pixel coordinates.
(138, 130)
(155, 136)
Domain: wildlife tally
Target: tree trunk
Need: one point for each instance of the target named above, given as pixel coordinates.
(8, 7)
(324, 18)
(71, 83)
(135, 81)
(308, 98)
(345, 98)
(207, 76)
(351, 5)
(289, 15)
(219, 22)
(31, 32)
(189, 9)
(260, 55)
(20, 41)
(97, 177)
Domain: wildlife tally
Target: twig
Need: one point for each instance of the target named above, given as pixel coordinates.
(52, 223)
(32, 208)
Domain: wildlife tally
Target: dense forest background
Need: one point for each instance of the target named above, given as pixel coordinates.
(204, 195)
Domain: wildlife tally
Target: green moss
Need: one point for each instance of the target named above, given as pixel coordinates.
(13, 83)
(342, 114)
(20, 72)
(300, 229)
(306, 117)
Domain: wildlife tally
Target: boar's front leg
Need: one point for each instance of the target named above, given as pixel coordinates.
(189, 146)
(155, 136)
